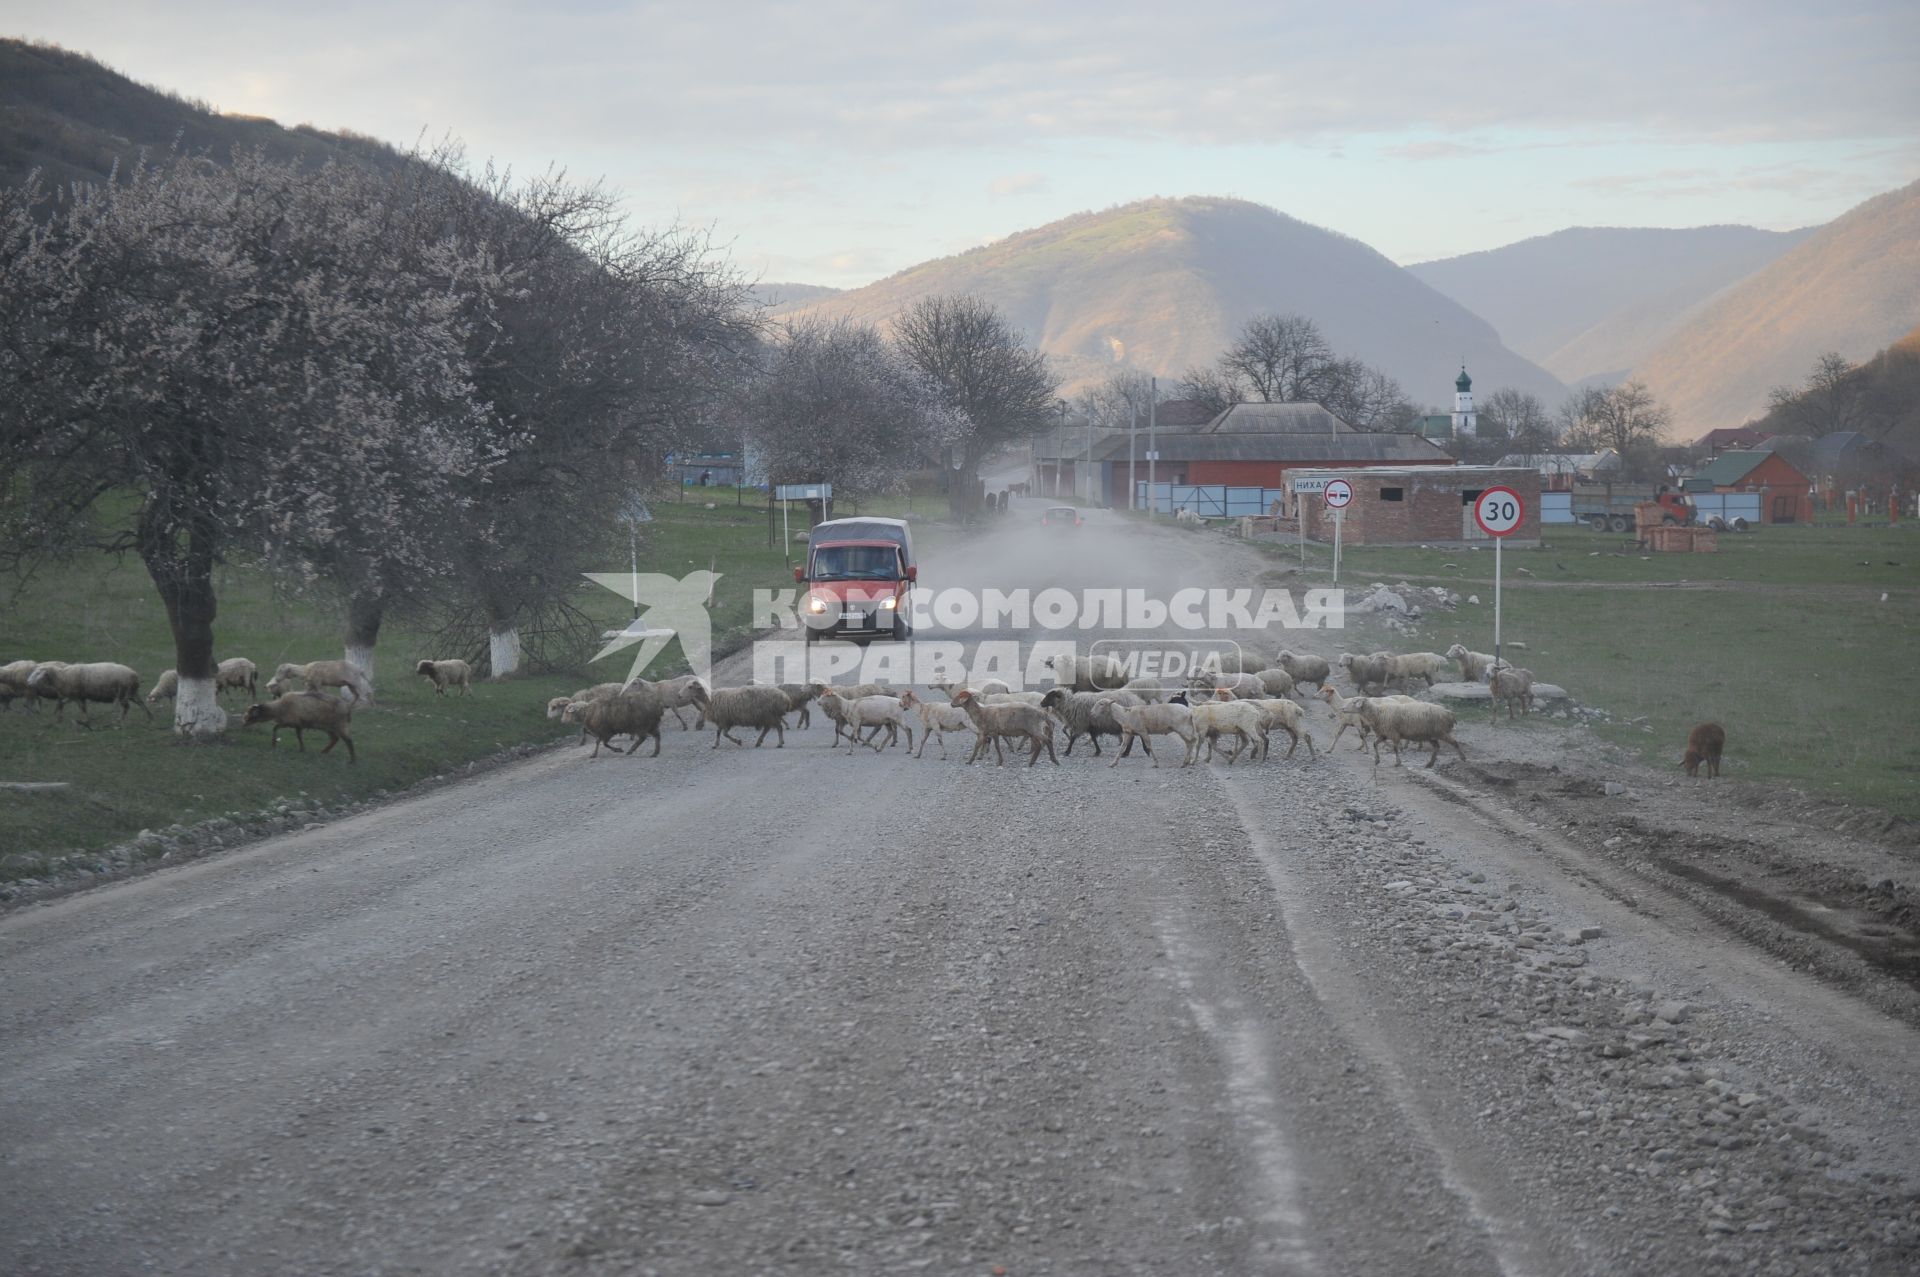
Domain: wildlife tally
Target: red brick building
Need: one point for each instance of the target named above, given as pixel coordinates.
(1255, 445)
(1412, 505)
(1786, 493)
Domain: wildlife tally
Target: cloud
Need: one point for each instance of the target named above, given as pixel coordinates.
(1018, 184)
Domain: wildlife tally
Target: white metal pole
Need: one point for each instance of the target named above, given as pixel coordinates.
(633, 544)
(1133, 444)
(1339, 514)
(1153, 459)
(1496, 605)
(1091, 498)
(1300, 517)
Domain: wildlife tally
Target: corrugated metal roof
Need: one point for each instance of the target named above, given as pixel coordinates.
(1276, 446)
(1278, 418)
(1730, 467)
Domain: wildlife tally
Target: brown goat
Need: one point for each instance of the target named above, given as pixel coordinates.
(304, 710)
(1704, 744)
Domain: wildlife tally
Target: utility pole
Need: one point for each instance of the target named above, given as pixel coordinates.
(1153, 457)
(1133, 443)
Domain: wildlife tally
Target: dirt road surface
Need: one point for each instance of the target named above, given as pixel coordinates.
(794, 1010)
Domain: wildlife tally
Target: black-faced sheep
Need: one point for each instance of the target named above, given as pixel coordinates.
(304, 712)
(445, 674)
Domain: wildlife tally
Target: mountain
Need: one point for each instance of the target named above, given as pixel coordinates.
(74, 119)
(1592, 301)
(778, 299)
(1165, 284)
(1853, 286)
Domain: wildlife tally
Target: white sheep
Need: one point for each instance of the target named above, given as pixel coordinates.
(1239, 687)
(1304, 668)
(1147, 689)
(755, 705)
(1013, 721)
(634, 712)
(13, 682)
(936, 720)
(1241, 719)
(1474, 666)
(843, 696)
(1514, 686)
(317, 675)
(800, 699)
(1087, 673)
(1417, 722)
(873, 712)
(985, 687)
(1367, 672)
(1144, 722)
(236, 673)
(44, 689)
(1276, 681)
(677, 694)
(103, 682)
(165, 688)
(1430, 666)
(1289, 717)
(1346, 712)
(451, 673)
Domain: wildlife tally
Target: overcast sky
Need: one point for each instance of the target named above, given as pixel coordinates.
(831, 142)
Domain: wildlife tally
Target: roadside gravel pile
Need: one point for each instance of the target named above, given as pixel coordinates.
(1625, 1105)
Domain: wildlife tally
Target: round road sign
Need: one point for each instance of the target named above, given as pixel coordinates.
(1338, 493)
(1499, 511)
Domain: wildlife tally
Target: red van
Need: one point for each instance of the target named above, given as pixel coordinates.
(858, 574)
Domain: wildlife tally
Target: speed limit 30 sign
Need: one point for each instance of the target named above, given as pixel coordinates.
(1499, 511)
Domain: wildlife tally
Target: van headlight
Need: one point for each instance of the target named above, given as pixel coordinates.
(816, 605)
(890, 604)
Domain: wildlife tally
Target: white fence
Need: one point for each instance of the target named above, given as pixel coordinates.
(1208, 500)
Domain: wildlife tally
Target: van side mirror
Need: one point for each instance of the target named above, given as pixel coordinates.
(800, 574)
(913, 573)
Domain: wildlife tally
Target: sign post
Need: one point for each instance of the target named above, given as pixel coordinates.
(1338, 494)
(1499, 512)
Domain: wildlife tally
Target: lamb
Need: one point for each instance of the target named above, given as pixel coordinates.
(1399, 719)
(1286, 715)
(165, 688)
(635, 712)
(1367, 672)
(758, 706)
(1704, 744)
(875, 712)
(800, 698)
(1474, 666)
(1243, 719)
(444, 674)
(1346, 711)
(835, 708)
(238, 674)
(1144, 722)
(13, 682)
(936, 720)
(105, 682)
(1012, 721)
(1514, 686)
(1305, 669)
(315, 675)
(303, 712)
(1425, 665)
(1087, 673)
(1088, 714)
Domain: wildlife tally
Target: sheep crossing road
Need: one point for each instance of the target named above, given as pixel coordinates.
(789, 1010)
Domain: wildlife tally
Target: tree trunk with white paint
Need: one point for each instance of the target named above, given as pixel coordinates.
(364, 614)
(196, 710)
(503, 650)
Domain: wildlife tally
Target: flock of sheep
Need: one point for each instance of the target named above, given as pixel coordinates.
(1093, 698)
(300, 695)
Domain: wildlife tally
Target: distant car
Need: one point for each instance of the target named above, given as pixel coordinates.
(1060, 516)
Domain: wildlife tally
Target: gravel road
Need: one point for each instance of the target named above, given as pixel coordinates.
(756, 1010)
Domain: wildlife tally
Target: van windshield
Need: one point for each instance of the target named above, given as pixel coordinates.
(856, 563)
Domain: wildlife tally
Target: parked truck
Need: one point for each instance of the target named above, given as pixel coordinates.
(1609, 507)
(859, 574)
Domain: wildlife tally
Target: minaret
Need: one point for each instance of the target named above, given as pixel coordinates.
(1463, 418)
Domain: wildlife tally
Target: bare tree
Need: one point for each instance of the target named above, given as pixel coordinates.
(836, 403)
(1831, 399)
(1518, 420)
(1280, 358)
(213, 342)
(999, 388)
(1626, 418)
(1213, 388)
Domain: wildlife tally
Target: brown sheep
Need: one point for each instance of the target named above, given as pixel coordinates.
(302, 711)
(1704, 744)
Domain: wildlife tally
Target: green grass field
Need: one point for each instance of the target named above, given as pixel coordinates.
(124, 780)
(1782, 637)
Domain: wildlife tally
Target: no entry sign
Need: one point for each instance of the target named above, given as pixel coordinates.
(1338, 493)
(1499, 511)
